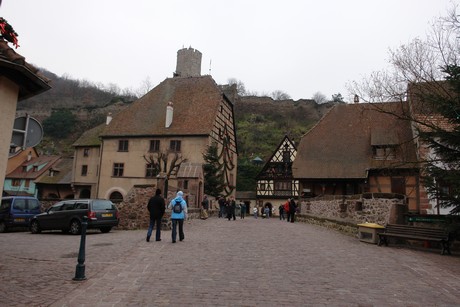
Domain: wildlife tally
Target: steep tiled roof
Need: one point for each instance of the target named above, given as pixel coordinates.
(62, 173)
(14, 67)
(340, 145)
(42, 163)
(195, 102)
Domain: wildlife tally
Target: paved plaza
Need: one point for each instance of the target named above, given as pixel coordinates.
(224, 263)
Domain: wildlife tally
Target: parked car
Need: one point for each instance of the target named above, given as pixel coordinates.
(17, 211)
(68, 215)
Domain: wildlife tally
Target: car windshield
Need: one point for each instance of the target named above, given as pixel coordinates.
(101, 204)
(34, 204)
(55, 208)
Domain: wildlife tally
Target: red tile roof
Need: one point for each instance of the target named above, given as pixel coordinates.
(43, 162)
(195, 101)
(340, 145)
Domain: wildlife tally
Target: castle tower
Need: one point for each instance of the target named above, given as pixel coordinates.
(188, 63)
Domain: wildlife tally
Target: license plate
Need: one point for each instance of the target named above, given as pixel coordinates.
(107, 214)
(19, 220)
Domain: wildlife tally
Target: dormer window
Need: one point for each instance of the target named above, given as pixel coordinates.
(384, 152)
(51, 172)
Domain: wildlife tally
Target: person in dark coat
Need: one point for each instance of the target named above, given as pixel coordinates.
(156, 207)
(292, 210)
(231, 208)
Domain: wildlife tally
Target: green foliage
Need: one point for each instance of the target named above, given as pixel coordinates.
(247, 172)
(442, 172)
(60, 124)
(214, 182)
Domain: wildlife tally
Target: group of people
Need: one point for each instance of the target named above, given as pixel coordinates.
(227, 208)
(156, 207)
(288, 210)
(230, 209)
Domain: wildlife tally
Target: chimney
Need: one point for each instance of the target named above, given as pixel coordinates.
(356, 99)
(169, 114)
(188, 63)
(109, 119)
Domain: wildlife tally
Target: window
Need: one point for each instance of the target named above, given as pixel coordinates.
(150, 170)
(154, 145)
(27, 183)
(116, 197)
(86, 152)
(24, 169)
(16, 182)
(35, 168)
(185, 184)
(123, 145)
(174, 145)
(118, 169)
(84, 170)
(384, 152)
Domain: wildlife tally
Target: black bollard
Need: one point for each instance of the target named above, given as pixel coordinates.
(80, 270)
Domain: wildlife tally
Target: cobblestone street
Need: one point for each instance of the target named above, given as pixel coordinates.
(224, 263)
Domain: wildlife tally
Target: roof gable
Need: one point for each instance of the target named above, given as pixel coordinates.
(340, 145)
(195, 101)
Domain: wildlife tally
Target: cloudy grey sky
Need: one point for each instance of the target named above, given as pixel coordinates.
(299, 47)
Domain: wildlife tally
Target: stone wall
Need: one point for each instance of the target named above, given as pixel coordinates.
(345, 212)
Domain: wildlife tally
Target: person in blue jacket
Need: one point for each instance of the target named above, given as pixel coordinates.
(178, 217)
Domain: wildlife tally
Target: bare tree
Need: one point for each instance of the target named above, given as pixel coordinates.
(240, 87)
(280, 95)
(159, 162)
(145, 87)
(319, 98)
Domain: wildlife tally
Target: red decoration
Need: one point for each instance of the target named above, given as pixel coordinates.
(8, 33)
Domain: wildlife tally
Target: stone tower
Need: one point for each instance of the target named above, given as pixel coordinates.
(188, 63)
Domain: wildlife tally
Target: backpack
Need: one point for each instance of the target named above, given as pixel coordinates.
(177, 208)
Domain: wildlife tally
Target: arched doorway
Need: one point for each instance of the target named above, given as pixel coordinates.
(116, 197)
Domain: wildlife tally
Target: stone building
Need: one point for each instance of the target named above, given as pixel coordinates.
(160, 139)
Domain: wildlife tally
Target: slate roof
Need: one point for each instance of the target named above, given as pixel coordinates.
(190, 170)
(62, 173)
(195, 101)
(340, 145)
(15, 67)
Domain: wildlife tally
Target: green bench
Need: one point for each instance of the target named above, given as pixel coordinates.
(416, 233)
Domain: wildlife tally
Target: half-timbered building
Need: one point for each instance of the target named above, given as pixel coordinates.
(275, 183)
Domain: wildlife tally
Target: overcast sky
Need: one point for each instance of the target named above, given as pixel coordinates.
(299, 47)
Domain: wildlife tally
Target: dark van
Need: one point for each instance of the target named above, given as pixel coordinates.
(67, 215)
(17, 211)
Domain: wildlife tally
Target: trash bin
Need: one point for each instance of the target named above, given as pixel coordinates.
(368, 232)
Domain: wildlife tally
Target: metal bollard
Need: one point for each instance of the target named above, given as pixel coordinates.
(80, 269)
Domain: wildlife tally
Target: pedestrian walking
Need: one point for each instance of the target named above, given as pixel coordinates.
(267, 211)
(286, 209)
(221, 202)
(178, 208)
(231, 207)
(204, 207)
(156, 207)
(292, 210)
(281, 212)
(254, 211)
(243, 210)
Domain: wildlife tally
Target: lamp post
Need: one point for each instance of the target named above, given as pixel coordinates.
(80, 269)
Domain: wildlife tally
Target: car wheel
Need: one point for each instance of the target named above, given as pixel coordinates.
(35, 227)
(2, 226)
(105, 229)
(75, 227)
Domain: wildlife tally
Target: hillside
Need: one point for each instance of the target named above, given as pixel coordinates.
(261, 122)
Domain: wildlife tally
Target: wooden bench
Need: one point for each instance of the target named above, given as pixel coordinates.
(416, 233)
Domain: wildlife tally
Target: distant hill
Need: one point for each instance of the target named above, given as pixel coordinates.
(261, 122)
